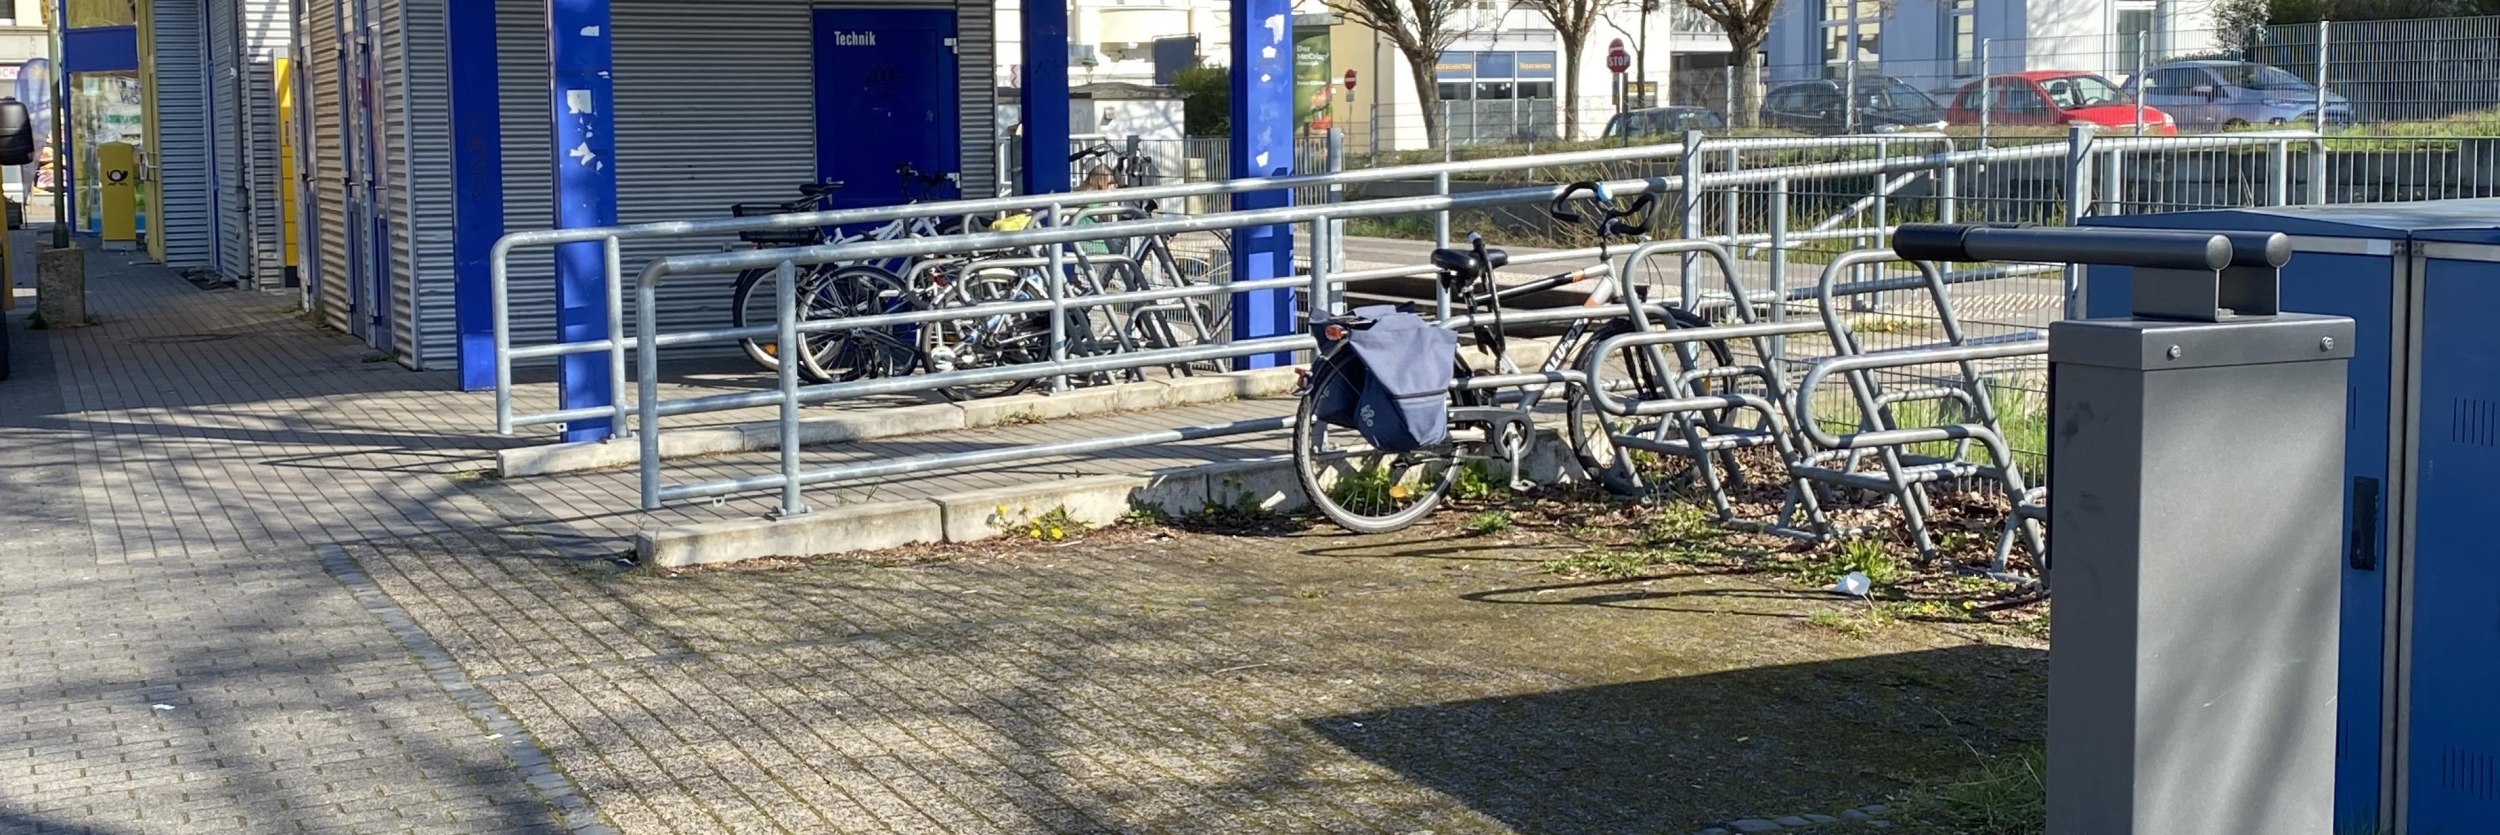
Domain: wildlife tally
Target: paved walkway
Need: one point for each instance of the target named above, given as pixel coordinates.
(254, 584)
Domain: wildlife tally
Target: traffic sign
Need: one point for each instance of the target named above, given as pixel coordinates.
(1349, 81)
(1617, 59)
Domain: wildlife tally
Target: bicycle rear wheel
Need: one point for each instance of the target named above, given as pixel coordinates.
(1362, 489)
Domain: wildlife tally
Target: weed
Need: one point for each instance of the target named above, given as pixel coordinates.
(1841, 623)
(1372, 488)
(1310, 592)
(2036, 627)
(1475, 482)
(1489, 522)
(2002, 795)
(36, 322)
(1886, 324)
(1867, 556)
(1026, 416)
(1053, 525)
(1680, 523)
(374, 357)
(1614, 564)
(1143, 514)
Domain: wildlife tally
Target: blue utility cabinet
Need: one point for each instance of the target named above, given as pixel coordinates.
(2419, 698)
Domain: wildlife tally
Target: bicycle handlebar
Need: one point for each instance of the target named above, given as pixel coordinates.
(1611, 220)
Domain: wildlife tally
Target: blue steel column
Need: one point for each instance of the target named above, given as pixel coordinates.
(585, 183)
(477, 183)
(1044, 142)
(1262, 146)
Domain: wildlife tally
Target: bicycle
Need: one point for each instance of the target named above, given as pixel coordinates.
(837, 290)
(1366, 488)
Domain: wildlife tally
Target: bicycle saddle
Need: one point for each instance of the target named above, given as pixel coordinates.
(819, 189)
(1462, 263)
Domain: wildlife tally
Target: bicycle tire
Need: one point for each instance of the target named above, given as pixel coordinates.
(1332, 485)
(859, 290)
(765, 353)
(1622, 471)
(986, 341)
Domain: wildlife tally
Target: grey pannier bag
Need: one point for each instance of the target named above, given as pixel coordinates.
(1390, 381)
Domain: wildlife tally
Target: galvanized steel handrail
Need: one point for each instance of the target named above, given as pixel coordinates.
(499, 268)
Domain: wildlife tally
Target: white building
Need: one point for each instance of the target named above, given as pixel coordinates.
(1502, 79)
(1934, 44)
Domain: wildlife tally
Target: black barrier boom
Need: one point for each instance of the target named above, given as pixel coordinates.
(2194, 276)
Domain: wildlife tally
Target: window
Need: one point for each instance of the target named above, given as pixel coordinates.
(1851, 30)
(1494, 90)
(2261, 77)
(2136, 35)
(1536, 89)
(2019, 97)
(2076, 91)
(2176, 81)
(1456, 91)
(1961, 36)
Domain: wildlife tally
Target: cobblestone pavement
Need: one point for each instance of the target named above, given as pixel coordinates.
(252, 586)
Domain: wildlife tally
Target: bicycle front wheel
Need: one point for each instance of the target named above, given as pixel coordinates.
(1362, 489)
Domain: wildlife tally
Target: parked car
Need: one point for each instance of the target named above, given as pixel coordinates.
(1662, 121)
(2054, 97)
(1883, 105)
(2212, 95)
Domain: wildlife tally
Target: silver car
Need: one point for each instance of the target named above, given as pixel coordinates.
(2212, 95)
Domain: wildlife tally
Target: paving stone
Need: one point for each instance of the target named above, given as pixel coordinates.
(1754, 825)
(1821, 819)
(1855, 814)
(1791, 820)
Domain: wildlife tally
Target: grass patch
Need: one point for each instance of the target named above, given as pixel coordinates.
(1053, 525)
(2002, 795)
(1489, 523)
(1615, 563)
(1871, 557)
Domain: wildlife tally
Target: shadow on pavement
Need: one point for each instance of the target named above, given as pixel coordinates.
(1681, 753)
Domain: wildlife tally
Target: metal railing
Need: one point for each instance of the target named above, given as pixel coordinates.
(1774, 181)
(611, 238)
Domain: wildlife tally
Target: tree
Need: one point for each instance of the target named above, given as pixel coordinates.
(1206, 100)
(1747, 24)
(1572, 20)
(1419, 30)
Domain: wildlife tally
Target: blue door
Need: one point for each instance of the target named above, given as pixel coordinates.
(2455, 743)
(885, 98)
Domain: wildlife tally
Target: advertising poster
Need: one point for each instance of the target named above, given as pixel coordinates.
(34, 88)
(1311, 84)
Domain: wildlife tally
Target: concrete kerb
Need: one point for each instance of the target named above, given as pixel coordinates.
(870, 424)
(1268, 483)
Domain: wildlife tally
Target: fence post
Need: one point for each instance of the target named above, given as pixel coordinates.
(2143, 46)
(1689, 195)
(2078, 201)
(1057, 285)
(1336, 194)
(2319, 121)
(1948, 181)
(1779, 275)
(2278, 173)
(1987, 92)
(786, 314)
(1849, 95)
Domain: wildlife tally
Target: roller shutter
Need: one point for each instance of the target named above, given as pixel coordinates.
(528, 162)
(227, 129)
(182, 133)
(685, 86)
(417, 162)
(324, 53)
(976, 72)
(267, 37)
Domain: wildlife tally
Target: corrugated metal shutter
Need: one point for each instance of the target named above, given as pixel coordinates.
(391, 162)
(182, 133)
(528, 162)
(226, 122)
(266, 39)
(690, 141)
(976, 38)
(416, 98)
(329, 156)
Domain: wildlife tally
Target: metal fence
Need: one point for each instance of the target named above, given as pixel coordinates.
(1787, 206)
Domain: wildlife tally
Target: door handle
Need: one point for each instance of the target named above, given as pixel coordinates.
(2361, 550)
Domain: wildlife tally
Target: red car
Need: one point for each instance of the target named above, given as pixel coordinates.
(2055, 97)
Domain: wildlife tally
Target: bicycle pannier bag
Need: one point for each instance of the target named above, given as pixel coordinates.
(1407, 364)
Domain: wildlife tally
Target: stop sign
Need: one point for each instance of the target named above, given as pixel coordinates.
(1617, 59)
(1349, 81)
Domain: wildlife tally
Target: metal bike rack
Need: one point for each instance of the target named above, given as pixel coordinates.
(2198, 469)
